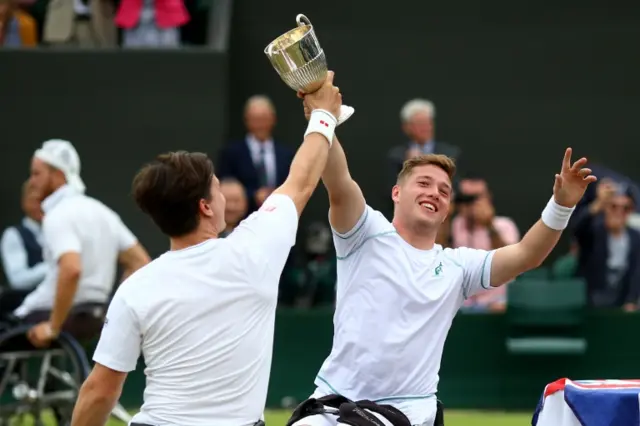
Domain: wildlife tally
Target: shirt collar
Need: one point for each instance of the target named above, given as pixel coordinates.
(31, 224)
(58, 195)
(428, 146)
(253, 141)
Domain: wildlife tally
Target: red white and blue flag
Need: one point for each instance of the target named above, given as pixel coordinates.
(589, 403)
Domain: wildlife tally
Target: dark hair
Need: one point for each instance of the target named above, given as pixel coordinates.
(170, 188)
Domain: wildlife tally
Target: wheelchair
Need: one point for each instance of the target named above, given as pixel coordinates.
(40, 386)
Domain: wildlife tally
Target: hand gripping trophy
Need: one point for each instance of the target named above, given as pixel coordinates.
(300, 61)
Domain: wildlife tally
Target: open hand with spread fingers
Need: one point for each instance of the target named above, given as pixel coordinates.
(572, 181)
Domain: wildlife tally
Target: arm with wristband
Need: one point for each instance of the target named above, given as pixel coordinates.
(535, 246)
(346, 201)
(311, 158)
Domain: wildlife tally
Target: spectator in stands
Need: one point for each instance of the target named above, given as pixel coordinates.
(606, 173)
(609, 250)
(477, 226)
(315, 283)
(258, 162)
(151, 23)
(418, 117)
(17, 27)
(444, 237)
(21, 245)
(236, 205)
(82, 23)
(21, 250)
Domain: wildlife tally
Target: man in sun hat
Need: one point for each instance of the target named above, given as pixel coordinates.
(61, 154)
(83, 240)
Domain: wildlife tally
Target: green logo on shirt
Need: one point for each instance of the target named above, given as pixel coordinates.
(438, 269)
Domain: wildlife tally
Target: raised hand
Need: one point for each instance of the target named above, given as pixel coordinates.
(328, 97)
(572, 181)
(307, 110)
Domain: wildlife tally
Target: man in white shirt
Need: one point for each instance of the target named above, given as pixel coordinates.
(202, 314)
(397, 291)
(83, 242)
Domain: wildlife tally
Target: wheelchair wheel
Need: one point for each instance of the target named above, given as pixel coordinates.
(39, 386)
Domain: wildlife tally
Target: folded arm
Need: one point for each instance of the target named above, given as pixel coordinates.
(346, 200)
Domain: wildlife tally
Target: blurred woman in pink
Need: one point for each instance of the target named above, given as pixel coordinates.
(151, 23)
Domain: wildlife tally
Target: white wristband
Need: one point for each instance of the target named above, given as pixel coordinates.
(323, 122)
(556, 216)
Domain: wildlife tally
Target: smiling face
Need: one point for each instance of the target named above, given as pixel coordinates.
(422, 196)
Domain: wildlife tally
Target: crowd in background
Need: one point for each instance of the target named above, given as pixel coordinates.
(103, 23)
(605, 246)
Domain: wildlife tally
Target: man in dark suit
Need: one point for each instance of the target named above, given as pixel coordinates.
(417, 118)
(609, 250)
(257, 162)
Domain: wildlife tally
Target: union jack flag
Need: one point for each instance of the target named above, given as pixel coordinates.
(592, 402)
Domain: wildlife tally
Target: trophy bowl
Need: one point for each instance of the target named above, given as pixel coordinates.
(298, 58)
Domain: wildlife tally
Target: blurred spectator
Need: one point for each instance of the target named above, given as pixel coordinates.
(82, 23)
(603, 173)
(417, 118)
(609, 250)
(236, 205)
(444, 232)
(151, 23)
(258, 162)
(17, 27)
(477, 226)
(315, 283)
(21, 250)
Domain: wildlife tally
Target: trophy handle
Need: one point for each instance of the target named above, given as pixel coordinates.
(303, 20)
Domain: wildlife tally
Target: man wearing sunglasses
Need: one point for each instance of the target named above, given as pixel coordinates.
(609, 250)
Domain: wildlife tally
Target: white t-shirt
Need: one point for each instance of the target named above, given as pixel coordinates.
(76, 223)
(203, 318)
(395, 304)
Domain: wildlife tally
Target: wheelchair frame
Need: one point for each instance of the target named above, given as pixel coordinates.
(34, 399)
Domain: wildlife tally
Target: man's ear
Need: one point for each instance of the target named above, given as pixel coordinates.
(395, 193)
(205, 208)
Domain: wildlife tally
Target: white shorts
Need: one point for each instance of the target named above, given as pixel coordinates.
(428, 407)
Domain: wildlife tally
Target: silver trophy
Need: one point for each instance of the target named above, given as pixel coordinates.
(299, 60)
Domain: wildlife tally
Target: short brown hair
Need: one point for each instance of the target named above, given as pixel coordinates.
(170, 188)
(445, 163)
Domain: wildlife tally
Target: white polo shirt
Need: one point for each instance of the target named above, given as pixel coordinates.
(203, 318)
(76, 223)
(395, 305)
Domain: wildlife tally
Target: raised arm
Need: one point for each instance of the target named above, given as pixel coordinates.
(346, 200)
(570, 185)
(311, 158)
